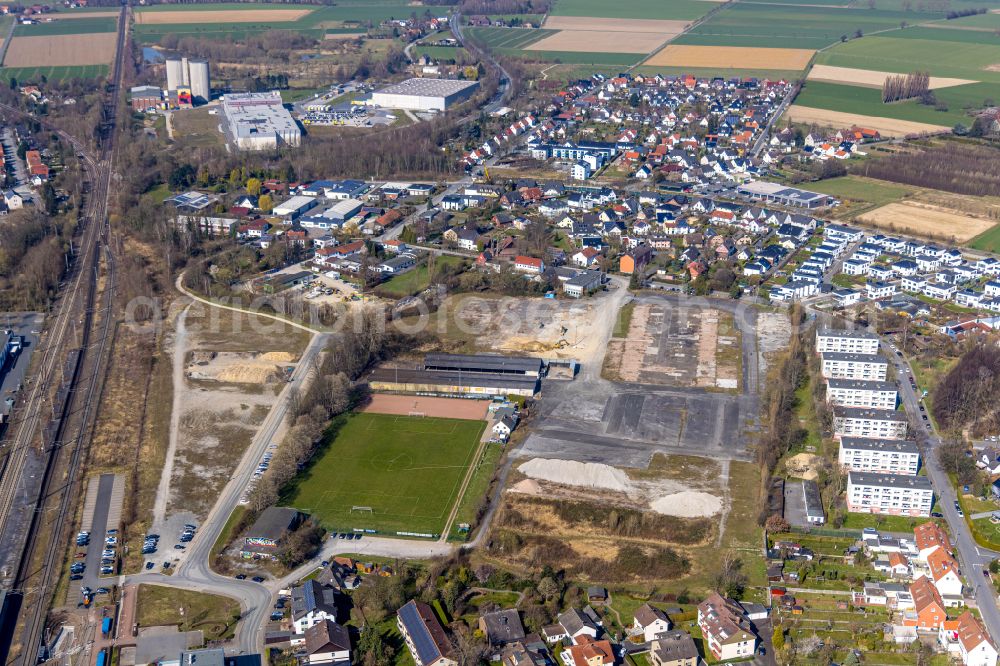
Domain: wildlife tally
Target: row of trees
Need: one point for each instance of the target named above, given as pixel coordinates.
(961, 168)
(905, 86)
(966, 397)
(970, 11)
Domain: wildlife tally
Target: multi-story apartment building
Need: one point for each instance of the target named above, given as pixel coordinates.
(727, 632)
(870, 367)
(881, 456)
(893, 494)
(861, 393)
(846, 342)
(861, 422)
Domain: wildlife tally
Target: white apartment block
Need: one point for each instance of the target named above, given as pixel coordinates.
(870, 367)
(874, 423)
(892, 494)
(861, 393)
(847, 342)
(881, 456)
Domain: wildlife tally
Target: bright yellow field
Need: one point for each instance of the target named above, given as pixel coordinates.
(927, 220)
(730, 57)
(221, 16)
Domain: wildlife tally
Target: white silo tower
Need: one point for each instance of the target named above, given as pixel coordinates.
(201, 86)
(186, 72)
(176, 74)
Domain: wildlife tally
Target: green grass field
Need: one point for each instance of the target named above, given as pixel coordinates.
(407, 469)
(511, 41)
(34, 74)
(747, 24)
(988, 241)
(911, 49)
(990, 21)
(877, 192)
(709, 73)
(868, 102)
(72, 27)
(681, 10)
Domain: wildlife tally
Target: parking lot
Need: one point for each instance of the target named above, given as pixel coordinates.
(97, 541)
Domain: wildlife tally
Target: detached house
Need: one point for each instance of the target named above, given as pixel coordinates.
(928, 609)
(649, 622)
(328, 643)
(312, 603)
(967, 638)
(728, 633)
(424, 635)
(531, 265)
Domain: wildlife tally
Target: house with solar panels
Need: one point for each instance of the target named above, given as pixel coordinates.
(424, 635)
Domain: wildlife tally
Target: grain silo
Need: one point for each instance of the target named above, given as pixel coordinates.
(175, 74)
(201, 86)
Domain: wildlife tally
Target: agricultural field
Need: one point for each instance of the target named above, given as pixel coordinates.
(799, 27)
(678, 10)
(54, 73)
(888, 127)
(235, 21)
(58, 51)
(928, 221)
(79, 25)
(864, 101)
(519, 42)
(734, 57)
(870, 78)
(407, 469)
(608, 35)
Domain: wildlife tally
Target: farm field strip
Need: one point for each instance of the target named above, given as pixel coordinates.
(870, 78)
(684, 10)
(81, 25)
(868, 102)
(928, 221)
(676, 55)
(591, 41)
(41, 51)
(59, 73)
(613, 25)
(220, 16)
(887, 126)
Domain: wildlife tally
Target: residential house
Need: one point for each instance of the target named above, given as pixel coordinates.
(967, 637)
(574, 625)
(674, 648)
(649, 622)
(311, 604)
(328, 643)
(531, 265)
(589, 652)
(944, 574)
(928, 609)
(634, 261)
(501, 627)
(728, 633)
(424, 636)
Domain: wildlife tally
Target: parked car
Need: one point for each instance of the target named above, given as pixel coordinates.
(258, 579)
(241, 576)
(150, 565)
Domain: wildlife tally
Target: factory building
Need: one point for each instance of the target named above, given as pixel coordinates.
(424, 94)
(142, 98)
(189, 80)
(259, 121)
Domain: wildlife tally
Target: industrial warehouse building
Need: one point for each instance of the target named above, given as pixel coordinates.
(259, 121)
(424, 94)
(459, 374)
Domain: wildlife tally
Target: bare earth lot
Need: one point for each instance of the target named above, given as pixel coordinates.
(220, 16)
(886, 126)
(870, 78)
(60, 50)
(405, 405)
(744, 57)
(927, 220)
(600, 41)
(677, 347)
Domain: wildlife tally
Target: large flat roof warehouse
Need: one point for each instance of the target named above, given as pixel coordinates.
(259, 121)
(424, 94)
(487, 363)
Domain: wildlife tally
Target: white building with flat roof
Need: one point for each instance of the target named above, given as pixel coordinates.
(259, 121)
(860, 422)
(881, 456)
(861, 393)
(847, 342)
(892, 494)
(424, 94)
(839, 365)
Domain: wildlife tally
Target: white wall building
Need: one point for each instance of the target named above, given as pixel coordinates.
(870, 367)
(259, 121)
(881, 456)
(848, 342)
(889, 494)
(861, 393)
(877, 423)
(424, 94)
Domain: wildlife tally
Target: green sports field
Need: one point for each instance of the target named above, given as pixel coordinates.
(407, 469)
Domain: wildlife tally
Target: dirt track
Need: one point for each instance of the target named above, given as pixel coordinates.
(220, 16)
(451, 408)
(61, 50)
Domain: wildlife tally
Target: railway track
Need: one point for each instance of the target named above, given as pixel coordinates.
(73, 359)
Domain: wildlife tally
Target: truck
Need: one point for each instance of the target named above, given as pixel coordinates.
(102, 658)
(106, 627)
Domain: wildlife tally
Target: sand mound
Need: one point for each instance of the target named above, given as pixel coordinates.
(572, 473)
(687, 504)
(246, 374)
(526, 487)
(803, 466)
(277, 357)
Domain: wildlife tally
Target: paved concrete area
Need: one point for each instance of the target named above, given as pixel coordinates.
(26, 325)
(98, 531)
(795, 503)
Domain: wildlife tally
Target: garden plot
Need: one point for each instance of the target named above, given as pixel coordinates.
(677, 346)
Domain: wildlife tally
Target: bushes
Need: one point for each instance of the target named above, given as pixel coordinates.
(967, 395)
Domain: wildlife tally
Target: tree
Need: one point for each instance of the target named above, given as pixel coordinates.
(731, 580)
(265, 203)
(374, 650)
(633, 100)
(548, 588)
(253, 187)
(778, 638)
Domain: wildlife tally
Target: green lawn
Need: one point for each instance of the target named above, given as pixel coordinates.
(624, 320)
(682, 10)
(416, 279)
(988, 241)
(858, 521)
(215, 615)
(868, 102)
(474, 493)
(407, 469)
(69, 27)
(877, 192)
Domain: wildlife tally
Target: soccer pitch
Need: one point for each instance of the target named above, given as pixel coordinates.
(408, 470)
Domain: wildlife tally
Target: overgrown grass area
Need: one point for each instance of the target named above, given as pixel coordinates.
(859, 521)
(214, 615)
(475, 492)
(416, 279)
(858, 194)
(406, 470)
(988, 241)
(624, 320)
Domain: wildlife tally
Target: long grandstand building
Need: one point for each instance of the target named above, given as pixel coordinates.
(461, 374)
